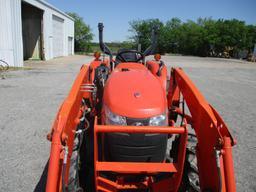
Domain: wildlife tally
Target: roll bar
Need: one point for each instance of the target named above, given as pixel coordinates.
(104, 48)
(150, 50)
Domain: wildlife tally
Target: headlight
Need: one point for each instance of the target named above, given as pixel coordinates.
(113, 119)
(160, 120)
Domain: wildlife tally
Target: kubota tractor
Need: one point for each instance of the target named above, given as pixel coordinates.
(126, 127)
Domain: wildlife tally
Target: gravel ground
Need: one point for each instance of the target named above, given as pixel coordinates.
(29, 100)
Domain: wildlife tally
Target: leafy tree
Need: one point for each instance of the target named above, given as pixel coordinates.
(205, 37)
(250, 37)
(172, 35)
(83, 34)
(142, 30)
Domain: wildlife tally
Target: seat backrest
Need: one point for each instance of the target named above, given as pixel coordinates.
(130, 57)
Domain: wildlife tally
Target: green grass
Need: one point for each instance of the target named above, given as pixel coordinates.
(19, 68)
(114, 47)
(111, 47)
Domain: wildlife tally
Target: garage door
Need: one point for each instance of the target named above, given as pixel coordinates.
(58, 36)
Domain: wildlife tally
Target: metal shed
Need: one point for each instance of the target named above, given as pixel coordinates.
(34, 29)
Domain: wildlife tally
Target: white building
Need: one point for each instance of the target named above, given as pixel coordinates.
(33, 29)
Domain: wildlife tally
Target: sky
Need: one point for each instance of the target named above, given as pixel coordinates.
(116, 14)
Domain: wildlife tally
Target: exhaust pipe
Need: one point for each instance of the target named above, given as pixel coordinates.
(104, 48)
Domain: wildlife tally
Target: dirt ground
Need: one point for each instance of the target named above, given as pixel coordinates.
(30, 98)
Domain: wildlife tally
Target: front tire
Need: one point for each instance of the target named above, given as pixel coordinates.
(73, 181)
(190, 178)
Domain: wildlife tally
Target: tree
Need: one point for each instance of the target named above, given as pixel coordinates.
(83, 34)
(205, 37)
(250, 37)
(142, 30)
(172, 35)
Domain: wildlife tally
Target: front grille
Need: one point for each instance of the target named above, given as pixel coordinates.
(137, 122)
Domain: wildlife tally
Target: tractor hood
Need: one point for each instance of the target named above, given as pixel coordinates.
(134, 94)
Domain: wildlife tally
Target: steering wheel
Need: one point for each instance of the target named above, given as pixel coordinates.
(120, 56)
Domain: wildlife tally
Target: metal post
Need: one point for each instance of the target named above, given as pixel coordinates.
(228, 165)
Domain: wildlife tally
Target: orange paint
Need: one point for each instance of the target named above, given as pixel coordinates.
(211, 131)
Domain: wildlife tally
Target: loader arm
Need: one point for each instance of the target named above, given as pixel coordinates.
(211, 131)
(63, 132)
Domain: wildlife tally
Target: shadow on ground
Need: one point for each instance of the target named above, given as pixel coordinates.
(41, 185)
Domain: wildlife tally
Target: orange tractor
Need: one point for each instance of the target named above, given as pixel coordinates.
(126, 127)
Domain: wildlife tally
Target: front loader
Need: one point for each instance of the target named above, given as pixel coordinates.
(126, 126)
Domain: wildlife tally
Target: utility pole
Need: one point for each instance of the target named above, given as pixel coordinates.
(254, 51)
(138, 39)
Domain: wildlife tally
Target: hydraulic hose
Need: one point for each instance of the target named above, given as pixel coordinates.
(161, 66)
(80, 131)
(217, 155)
(64, 168)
